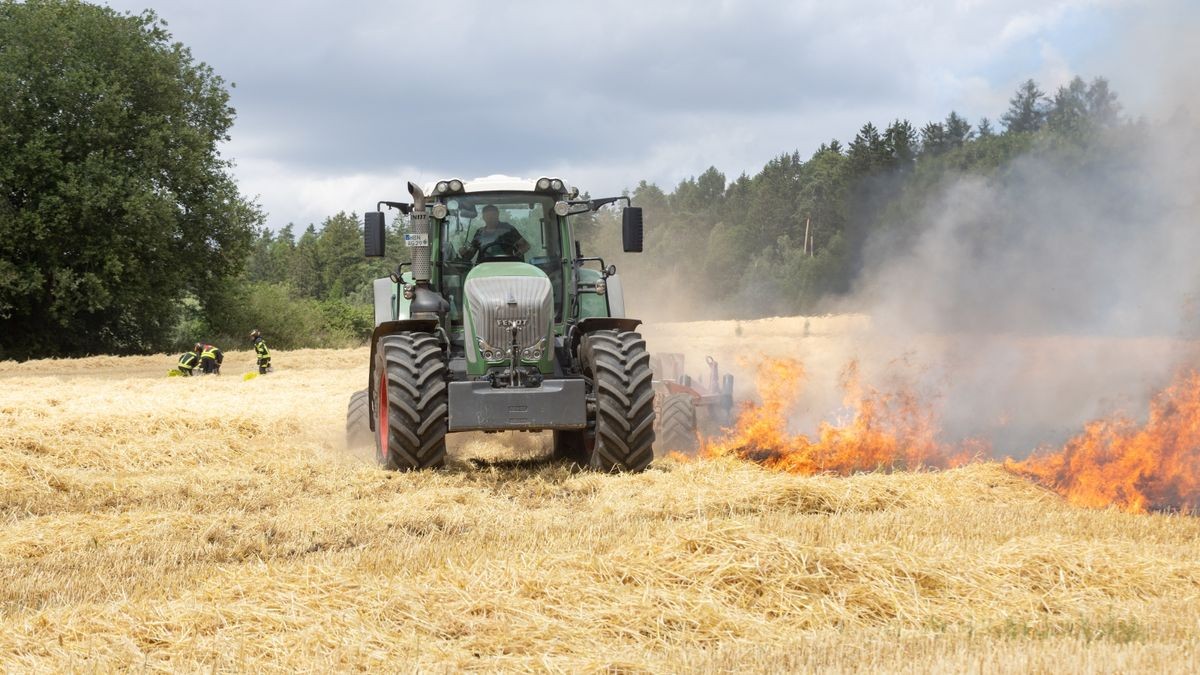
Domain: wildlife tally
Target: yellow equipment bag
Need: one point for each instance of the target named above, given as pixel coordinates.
(174, 372)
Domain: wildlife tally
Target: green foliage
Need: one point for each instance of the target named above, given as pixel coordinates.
(311, 292)
(288, 321)
(114, 201)
(355, 321)
(1026, 109)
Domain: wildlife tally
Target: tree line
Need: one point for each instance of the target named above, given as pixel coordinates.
(795, 235)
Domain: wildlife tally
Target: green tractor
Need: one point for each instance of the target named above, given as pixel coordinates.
(502, 324)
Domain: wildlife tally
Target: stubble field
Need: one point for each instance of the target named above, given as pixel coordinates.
(154, 523)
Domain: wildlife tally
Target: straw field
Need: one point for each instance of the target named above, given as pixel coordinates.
(154, 523)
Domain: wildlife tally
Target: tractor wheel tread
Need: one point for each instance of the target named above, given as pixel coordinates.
(358, 425)
(677, 424)
(619, 366)
(412, 367)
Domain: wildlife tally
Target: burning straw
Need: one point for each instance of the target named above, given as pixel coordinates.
(1154, 466)
(1113, 462)
(883, 431)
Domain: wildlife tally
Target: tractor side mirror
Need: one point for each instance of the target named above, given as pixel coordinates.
(373, 234)
(631, 228)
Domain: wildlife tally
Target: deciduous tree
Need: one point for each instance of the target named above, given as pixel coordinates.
(114, 198)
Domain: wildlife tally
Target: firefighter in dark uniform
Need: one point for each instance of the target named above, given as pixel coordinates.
(188, 363)
(210, 359)
(261, 351)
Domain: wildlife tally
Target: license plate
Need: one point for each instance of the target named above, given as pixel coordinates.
(411, 240)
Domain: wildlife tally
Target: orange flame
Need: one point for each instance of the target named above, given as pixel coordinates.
(1116, 462)
(885, 430)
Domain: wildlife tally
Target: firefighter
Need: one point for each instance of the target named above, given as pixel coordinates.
(210, 359)
(188, 363)
(260, 349)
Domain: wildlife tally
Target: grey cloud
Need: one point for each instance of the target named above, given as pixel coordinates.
(325, 88)
(329, 85)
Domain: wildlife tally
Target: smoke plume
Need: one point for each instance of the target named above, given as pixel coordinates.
(1059, 288)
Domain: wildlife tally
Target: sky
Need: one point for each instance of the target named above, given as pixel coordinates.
(338, 104)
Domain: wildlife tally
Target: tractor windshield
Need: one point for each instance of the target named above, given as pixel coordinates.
(499, 227)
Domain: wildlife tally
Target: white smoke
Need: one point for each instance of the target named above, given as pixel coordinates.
(1058, 289)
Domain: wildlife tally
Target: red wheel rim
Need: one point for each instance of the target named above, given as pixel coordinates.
(381, 426)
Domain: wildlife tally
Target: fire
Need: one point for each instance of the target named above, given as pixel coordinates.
(1154, 466)
(885, 430)
(1116, 461)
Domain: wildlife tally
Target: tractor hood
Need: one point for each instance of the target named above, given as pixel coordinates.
(500, 296)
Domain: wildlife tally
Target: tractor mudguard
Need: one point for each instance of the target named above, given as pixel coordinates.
(595, 323)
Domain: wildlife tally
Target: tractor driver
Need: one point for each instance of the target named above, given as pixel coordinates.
(495, 238)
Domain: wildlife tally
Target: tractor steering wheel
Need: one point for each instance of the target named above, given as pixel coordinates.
(507, 251)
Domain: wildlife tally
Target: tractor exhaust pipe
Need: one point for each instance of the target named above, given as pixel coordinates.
(419, 221)
(426, 302)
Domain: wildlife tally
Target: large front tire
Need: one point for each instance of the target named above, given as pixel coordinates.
(410, 402)
(619, 366)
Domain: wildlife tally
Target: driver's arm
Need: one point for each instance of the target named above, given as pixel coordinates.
(471, 247)
(522, 246)
(517, 241)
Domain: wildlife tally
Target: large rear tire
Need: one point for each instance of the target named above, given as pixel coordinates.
(677, 425)
(358, 415)
(619, 366)
(410, 402)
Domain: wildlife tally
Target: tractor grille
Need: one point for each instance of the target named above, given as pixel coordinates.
(494, 298)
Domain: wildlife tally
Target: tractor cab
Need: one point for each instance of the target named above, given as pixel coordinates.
(498, 228)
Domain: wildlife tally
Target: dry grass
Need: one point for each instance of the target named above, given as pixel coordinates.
(186, 524)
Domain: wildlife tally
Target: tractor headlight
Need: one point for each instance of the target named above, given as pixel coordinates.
(456, 185)
(562, 208)
(601, 287)
(533, 352)
(557, 185)
(488, 352)
(543, 184)
(440, 211)
(441, 187)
